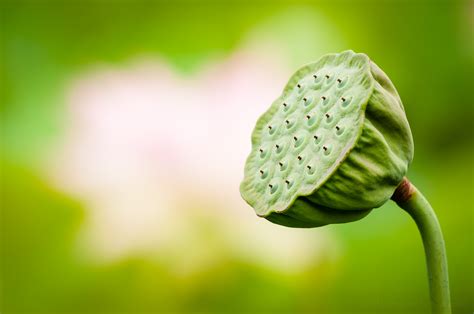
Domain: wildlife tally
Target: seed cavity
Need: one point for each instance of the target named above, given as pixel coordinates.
(329, 118)
(345, 102)
(311, 170)
(279, 148)
(325, 100)
(298, 141)
(326, 150)
(341, 82)
(273, 188)
(289, 124)
(339, 130)
(271, 129)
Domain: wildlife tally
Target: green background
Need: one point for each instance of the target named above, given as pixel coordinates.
(425, 47)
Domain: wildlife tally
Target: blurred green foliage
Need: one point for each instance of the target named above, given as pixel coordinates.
(425, 47)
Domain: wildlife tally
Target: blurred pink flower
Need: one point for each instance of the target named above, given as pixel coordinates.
(158, 157)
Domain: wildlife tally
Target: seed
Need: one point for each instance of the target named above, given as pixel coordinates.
(299, 85)
(325, 148)
(315, 137)
(261, 171)
(287, 122)
(277, 146)
(281, 164)
(295, 138)
(299, 158)
(285, 104)
(315, 76)
(327, 115)
(287, 182)
(309, 167)
(343, 99)
(269, 127)
(308, 117)
(337, 128)
(261, 150)
(271, 186)
(323, 97)
(327, 76)
(305, 99)
(339, 81)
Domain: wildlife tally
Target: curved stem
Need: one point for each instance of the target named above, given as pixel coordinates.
(413, 202)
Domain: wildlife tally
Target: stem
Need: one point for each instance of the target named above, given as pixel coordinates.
(413, 202)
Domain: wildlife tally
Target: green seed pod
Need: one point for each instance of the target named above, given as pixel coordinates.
(332, 147)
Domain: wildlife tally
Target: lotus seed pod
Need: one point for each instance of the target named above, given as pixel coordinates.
(332, 147)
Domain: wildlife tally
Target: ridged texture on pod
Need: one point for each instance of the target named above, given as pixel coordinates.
(332, 147)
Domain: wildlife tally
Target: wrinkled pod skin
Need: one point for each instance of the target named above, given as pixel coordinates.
(362, 124)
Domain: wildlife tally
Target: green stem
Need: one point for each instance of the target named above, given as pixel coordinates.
(413, 202)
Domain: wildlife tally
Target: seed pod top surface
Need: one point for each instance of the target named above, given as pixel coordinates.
(308, 132)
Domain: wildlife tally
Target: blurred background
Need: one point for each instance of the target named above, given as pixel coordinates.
(124, 130)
